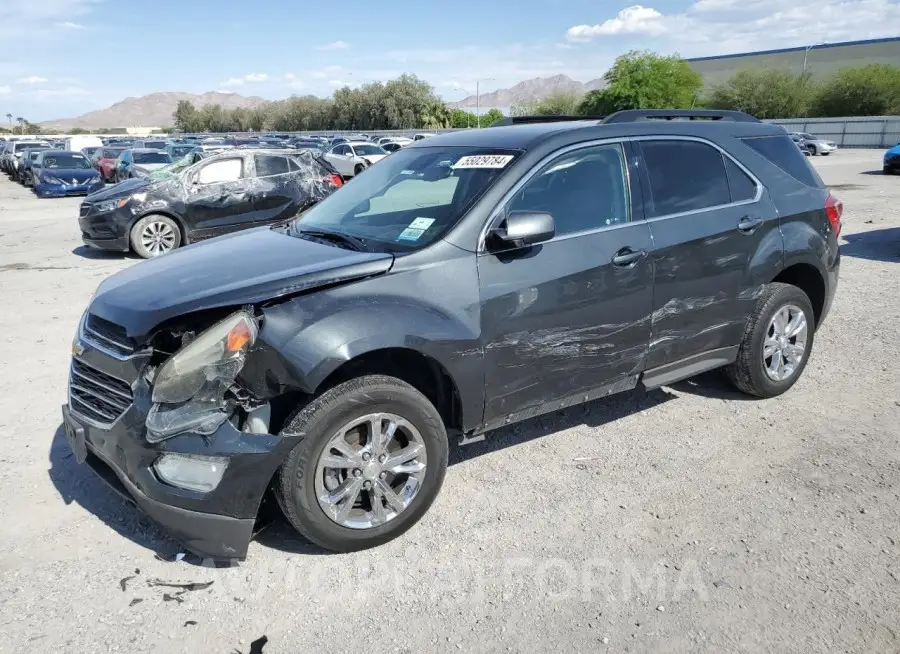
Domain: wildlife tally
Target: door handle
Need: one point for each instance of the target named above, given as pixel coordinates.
(627, 257)
(749, 224)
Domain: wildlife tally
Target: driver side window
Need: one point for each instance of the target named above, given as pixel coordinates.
(582, 190)
(226, 170)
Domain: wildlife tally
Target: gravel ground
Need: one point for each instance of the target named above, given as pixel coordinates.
(685, 519)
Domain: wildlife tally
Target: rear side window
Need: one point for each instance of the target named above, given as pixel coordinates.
(782, 152)
(225, 170)
(741, 185)
(267, 165)
(684, 176)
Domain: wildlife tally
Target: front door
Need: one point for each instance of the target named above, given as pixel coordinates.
(569, 317)
(711, 224)
(218, 198)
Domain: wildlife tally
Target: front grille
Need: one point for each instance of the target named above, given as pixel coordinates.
(107, 335)
(97, 396)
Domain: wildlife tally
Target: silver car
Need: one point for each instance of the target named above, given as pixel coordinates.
(814, 145)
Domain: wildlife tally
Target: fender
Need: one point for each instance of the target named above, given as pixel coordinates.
(310, 336)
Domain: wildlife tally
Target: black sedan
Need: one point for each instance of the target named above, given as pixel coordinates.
(223, 193)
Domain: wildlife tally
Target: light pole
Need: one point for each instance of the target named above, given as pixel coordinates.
(806, 53)
(469, 94)
(478, 98)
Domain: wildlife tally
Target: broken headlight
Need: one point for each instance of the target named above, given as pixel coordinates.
(189, 389)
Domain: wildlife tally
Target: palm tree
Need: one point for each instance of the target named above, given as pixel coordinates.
(21, 122)
(9, 118)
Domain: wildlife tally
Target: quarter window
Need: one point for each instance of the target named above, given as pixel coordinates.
(742, 186)
(267, 165)
(684, 176)
(582, 190)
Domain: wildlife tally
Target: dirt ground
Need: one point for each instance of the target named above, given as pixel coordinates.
(688, 519)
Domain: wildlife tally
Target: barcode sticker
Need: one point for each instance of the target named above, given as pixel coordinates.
(483, 161)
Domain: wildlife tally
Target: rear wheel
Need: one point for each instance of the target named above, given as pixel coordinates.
(154, 235)
(358, 169)
(811, 149)
(777, 342)
(370, 461)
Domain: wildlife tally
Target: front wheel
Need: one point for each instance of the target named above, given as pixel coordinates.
(812, 150)
(370, 461)
(154, 235)
(777, 342)
(358, 169)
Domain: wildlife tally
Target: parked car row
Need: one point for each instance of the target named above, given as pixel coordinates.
(813, 145)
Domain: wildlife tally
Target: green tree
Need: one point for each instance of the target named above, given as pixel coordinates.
(185, 116)
(562, 103)
(764, 93)
(491, 116)
(644, 80)
(872, 90)
(75, 131)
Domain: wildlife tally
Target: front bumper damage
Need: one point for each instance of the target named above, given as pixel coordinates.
(218, 524)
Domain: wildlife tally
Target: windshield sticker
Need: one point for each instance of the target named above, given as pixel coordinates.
(483, 161)
(421, 223)
(410, 234)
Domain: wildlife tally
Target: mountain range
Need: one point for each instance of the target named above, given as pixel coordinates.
(531, 89)
(156, 109)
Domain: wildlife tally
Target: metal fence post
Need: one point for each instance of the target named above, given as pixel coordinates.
(884, 143)
(844, 134)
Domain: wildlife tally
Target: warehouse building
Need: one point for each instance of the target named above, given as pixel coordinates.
(819, 59)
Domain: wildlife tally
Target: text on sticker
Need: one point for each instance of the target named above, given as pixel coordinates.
(483, 161)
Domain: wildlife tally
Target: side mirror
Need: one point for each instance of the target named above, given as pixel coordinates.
(521, 229)
(362, 207)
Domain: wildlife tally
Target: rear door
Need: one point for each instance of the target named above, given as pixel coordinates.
(713, 226)
(567, 320)
(275, 190)
(218, 198)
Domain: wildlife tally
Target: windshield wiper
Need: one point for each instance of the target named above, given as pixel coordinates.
(355, 243)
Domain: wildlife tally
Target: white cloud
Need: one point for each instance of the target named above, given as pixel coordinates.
(62, 92)
(337, 82)
(40, 20)
(69, 25)
(334, 45)
(4, 90)
(636, 19)
(289, 76)
(251, 78)
(712, 27)
(319, 74)
(33, 79)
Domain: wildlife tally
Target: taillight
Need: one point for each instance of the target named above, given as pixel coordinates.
(834, 208)
(335, 180)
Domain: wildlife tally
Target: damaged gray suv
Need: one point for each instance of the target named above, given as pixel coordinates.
(468, 281)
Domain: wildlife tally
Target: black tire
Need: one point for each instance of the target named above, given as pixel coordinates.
(135, 237)
(887, 170)
(748, 373)
(825, 154)
(318, 421)
(812, 150)
(358, 169)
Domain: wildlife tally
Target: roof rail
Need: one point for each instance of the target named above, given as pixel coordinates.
(636, 115)
(526, 120)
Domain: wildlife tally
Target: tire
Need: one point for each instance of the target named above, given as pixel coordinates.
(358, 169)
(749, 371)
(812, 150)
(167, 229)
(825, 154)
(319, 423)
(887, 170)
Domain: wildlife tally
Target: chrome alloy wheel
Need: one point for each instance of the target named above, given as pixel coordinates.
(370, 471)
(158, 237)
(785, 344)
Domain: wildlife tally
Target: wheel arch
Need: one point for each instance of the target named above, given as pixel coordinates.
(421, 371)
(162, 212)
(808, 279)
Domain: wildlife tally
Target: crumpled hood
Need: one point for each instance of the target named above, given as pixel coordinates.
(243, 268)
(121, 190)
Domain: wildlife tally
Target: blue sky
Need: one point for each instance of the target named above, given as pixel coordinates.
(61, 58)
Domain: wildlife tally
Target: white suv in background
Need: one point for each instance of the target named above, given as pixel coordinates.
(815, 145)
(352, 158)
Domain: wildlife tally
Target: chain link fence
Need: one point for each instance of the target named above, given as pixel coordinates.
(861, 132)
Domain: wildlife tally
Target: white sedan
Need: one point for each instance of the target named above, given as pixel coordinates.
(352, 158)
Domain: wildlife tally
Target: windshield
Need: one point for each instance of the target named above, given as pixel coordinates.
(34, 152)
(66, 161)
(152, 158)
(363, 150)
(158, 145)
(808, 137)
(17, 147)
(112, 153)
(411, 198)
(180, 150)
(172, 169)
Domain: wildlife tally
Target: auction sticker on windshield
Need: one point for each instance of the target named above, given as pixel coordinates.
(483, 161)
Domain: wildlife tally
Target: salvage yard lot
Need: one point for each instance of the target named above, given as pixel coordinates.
(689, 518)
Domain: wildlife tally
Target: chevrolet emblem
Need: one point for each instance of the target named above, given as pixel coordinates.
(77, 348)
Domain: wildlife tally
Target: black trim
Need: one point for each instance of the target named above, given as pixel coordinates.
(637, 115)
(691, 366)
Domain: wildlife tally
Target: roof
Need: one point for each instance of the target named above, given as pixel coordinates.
(526, 136)
(819, 46)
